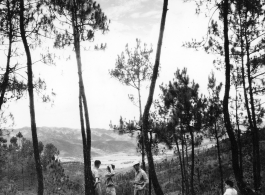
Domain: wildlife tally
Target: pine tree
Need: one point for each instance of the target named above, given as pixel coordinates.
(83, 18)
(133, 68)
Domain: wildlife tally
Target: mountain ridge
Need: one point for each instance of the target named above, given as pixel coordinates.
(69, 140)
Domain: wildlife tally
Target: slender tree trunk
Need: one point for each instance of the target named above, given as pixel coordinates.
(139, 99)
(87, 158)
(150, 179)
(183, 159)
(219, 159)
(181, 166)
(140, 120)
(251, 119)
(83, 133)
(187, 164)
(31, 101)
(255, 131)
(238, 137)
(88, 141)
(229, 129)
(192, 161)
(186, 151)
(243, 73)
(89, 188)
(157, 187)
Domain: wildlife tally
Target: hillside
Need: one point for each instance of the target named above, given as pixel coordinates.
(69, 141)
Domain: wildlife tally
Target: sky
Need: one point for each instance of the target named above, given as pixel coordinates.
(107, 98)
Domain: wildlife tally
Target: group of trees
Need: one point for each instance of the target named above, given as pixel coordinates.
(17, 160)
(182, 117)
(237, 36)
(26, 24)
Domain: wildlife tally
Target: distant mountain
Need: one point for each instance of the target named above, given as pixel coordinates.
(69, 141)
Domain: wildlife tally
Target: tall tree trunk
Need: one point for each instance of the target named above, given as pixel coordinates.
(186, 152)
(31, 100)
(192, 161)
(183, 159)
(87, 147)
(89, 188)
(140, 120)
(244, 87)
(187, 164)
(181, 166)
(157, 187)
(239, 137)
(83, 133)
(150, 179)
(229, 129)
(219, 159)
(143, 150)
(255, 131)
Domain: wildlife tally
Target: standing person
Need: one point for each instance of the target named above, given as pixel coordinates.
(110, 187)
(96, 175)
(230, 190)
(140, 181)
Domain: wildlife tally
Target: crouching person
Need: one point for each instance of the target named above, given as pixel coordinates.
(110, 186)
(140, 181)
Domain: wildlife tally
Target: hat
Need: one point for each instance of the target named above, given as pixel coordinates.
(137, 162)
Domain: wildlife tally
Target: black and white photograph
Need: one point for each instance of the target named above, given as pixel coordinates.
(132, 97)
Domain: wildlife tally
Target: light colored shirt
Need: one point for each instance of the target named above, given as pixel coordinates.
(140, 178)
(230, 191)
(98, 190)
(96, 174)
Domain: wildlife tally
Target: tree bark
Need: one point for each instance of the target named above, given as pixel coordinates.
(86, 137)
(240, 183)
(187, 164)
(31, 100)
(150, 179)
(239, 137)
(157, 187)
(192, 161)
(181, 166)
(219, 159)
(183, 159)
(140, 120)
(254, 130)
(83, 133)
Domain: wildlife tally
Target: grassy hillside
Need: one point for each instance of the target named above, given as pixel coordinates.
(207, 175)
(206, 178)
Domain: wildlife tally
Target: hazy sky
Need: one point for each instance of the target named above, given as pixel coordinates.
(107, 98)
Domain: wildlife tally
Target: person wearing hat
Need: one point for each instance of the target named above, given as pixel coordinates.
(141, 179)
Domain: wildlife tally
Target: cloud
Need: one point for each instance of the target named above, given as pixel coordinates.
(153, 14)
(136, 15)
(123, 8)
(107, 98)
(156, 14)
